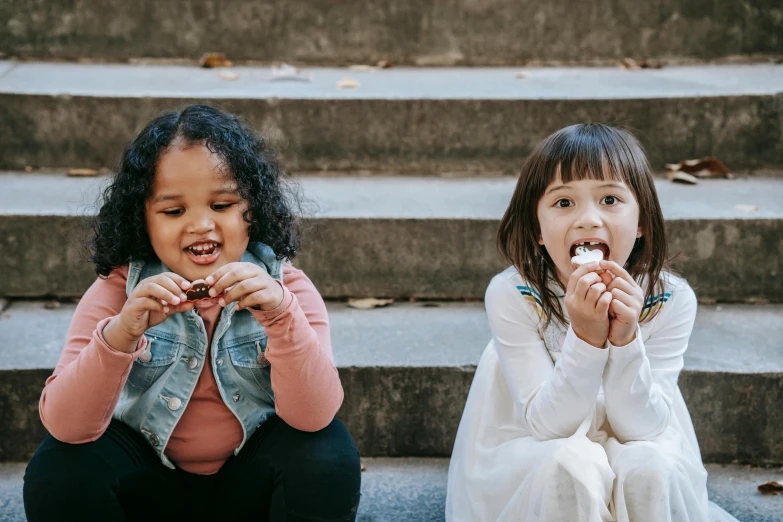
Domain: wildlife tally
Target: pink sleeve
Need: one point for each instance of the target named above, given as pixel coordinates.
(307, 388)
(79, 398)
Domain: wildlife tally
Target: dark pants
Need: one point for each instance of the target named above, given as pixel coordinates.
(280, 474)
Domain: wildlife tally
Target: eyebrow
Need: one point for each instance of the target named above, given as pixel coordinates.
(173, 197)
(605, 185)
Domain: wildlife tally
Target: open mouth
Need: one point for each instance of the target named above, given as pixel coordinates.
(203, 253)
(581, 247)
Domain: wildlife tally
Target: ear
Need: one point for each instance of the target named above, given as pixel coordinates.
(540, 240)
(638, 232)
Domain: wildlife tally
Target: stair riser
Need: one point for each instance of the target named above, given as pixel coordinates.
(422, 136)
(404, 32)
(729, 260)
(415, 411)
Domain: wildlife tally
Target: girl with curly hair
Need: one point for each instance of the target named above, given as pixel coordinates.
(197, 379)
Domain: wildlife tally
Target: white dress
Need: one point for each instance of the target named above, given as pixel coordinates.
(557, 430)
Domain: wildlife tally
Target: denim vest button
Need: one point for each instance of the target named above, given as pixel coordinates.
(220, 362)
(236, 397)
(155, 440)
(174, 404)
(146, 355)
(192, 363)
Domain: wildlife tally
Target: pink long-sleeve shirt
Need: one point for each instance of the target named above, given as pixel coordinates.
(78, 400)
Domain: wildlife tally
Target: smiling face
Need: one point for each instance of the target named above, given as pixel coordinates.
(195, 213)
(602, 212)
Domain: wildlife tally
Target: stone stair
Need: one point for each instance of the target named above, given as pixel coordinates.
(406, 177)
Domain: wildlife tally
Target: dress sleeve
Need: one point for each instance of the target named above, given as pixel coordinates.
(307, 387)
(641, 378)
(551, 399)
(79, 398)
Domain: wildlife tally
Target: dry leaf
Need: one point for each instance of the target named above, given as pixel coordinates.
(771, 488)
(364, 468)
(52, 305)
(521, 76)
(210, 60)
(384, 64)
(363, 68)
(631, 64)
(82, 172)
(228, 75)
(285, 72)
(369, 303)
(702, 168)
(747, 208)
(683, 177)
(28, 169)
(347, 83)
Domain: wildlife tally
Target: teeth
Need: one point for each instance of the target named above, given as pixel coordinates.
(203, 247)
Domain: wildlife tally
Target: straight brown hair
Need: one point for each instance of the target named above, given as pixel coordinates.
(585, 151)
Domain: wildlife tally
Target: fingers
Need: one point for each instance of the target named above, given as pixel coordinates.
(230, 274)
(617, 271)
(150, 304)
(161, 288)
(578, 274)
(594, 293)
(624, 313)
(243, 289)
(603, 304)
(585, 283)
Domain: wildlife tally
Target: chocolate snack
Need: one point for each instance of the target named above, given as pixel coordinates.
(198, 291)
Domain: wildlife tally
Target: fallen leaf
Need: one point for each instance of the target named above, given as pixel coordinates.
(347, 83)
(52, 305)
(82, 172)
(747, 208)
(771, 488)
(702, 168)
(631, 64)
(521, 76)
(384, 64)
(28, 169)
(683, 177)
(368, 303)
(228, 75)
(363, 68)
(211, 60)
(285, 72)
(364, 468)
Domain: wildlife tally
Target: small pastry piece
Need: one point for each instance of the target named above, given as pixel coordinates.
(584, 256)
(198, 291)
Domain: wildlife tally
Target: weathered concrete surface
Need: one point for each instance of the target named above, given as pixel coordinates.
(414, 490)
(403, 31)
(428, 121)
(407, 369)
(428, 238)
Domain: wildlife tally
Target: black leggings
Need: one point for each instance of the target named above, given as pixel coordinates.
(281, 474)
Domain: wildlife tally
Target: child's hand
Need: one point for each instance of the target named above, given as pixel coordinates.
(246, 283)
(587, 302)
(152, 301)
(626, 305)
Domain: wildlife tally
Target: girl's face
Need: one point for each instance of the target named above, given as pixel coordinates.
(587, 211)
(195, 213)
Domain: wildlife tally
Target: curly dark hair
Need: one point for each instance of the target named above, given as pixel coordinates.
(120, 231)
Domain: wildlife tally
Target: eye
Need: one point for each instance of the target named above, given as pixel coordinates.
(221, 206)
(563, 203)
(174, 212)
(610, 200)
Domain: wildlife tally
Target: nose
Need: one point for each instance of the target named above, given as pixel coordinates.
(200, 223)
(589, 218)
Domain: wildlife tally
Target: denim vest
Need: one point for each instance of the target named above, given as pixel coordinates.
(163, 378)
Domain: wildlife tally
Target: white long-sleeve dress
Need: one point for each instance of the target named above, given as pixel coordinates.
(557, 430)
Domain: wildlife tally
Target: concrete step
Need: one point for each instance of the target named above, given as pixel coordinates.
(414, 490)
(442, 33)
(407, 369)
(429, 120)
(410, 237)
